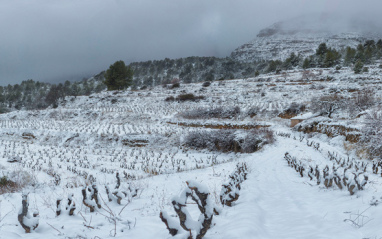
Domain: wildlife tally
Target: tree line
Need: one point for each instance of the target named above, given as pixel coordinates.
(32, 94)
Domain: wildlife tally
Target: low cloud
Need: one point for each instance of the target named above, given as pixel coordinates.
(51, 40)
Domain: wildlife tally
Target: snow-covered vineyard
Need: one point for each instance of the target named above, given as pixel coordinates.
(124, 164)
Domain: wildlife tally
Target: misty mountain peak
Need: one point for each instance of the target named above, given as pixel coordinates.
(320, 24)
(303, 34)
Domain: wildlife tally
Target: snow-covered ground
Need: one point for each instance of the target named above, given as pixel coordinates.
(87, 140)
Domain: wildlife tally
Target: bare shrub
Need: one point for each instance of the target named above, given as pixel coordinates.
(175, 85)
(225, 141)
(372, 133)
(361, 101)
(229, 140)
(308, 75)
(184, 97)
(253, 111)
(256, 139)
(199, 140)
(207, 113)
(328, 104)
(206, 84)
(293, 110)
(218, 140)
(188, 97)
(170, 98)
(230, 190)
(7, 186)
(15, 181)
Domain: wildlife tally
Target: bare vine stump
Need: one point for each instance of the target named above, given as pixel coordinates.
(27, 222)
(200, 195)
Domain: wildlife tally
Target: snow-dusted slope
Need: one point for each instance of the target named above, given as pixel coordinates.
(139, 135)
(303, 35)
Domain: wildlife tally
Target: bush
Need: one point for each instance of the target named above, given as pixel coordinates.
(363, 100)
(3, 181)
(175, 85)
(252, 112)
(3, 110)
(206, 113)
(230, 190)
(188, 97)
(7, 186)
(328, 104)
(15, 180)
(358, 67)
(229, 141)
(185, 97)
(206, 84)
(372, 134)
(256, 139)
(170, 98)
(293, 110)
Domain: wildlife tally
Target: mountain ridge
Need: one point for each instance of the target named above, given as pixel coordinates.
(302, 35)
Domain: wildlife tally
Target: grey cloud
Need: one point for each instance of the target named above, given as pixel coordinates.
(49, 40)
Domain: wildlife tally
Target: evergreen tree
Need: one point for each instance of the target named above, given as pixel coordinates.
(360, 53)
(274, 65)
(118, 76)
(322, 49)
(332, 58)
(368, 55)
(358, 67)
(53, 96)
(292, 61)
(321, 53)
(306, 64)
(349, 55)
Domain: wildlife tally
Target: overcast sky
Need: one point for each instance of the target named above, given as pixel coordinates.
(54, 40)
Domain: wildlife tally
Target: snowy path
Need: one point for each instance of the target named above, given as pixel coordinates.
(277, 203)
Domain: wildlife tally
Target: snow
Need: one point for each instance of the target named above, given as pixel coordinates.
(302, 36)
(304, 116)
(82, 142)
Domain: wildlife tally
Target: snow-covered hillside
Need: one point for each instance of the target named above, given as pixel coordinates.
(303, 35)
(54, 153)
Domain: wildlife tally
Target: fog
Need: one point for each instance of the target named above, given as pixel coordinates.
(55, 40)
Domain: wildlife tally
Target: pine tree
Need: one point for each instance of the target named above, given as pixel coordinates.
(360, 53)
(306, 64)
(332, 58)
(322, 49)
(358, 67)
(118, 76)
(349, 55)
(321, 53)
